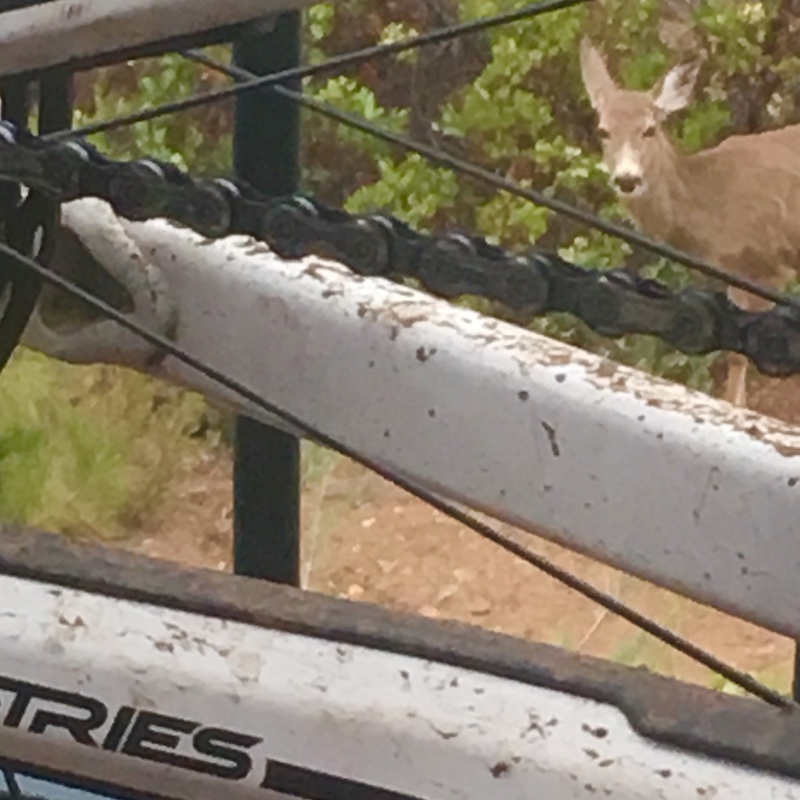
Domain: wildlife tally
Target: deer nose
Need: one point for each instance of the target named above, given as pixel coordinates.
(627, 183)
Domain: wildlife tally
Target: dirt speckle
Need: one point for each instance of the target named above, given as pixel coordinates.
(598, 733)
(551, 437)
(75, 622)
(424, 354)
(499, 769)
(607, 369)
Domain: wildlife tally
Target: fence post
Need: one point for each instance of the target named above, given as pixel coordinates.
(267, 461)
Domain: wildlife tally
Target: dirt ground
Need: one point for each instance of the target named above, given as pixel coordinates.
(366, 540)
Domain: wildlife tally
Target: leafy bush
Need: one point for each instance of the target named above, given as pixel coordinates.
(198, 139)
(525, 116)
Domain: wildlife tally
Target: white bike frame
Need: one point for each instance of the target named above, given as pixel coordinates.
(89, 32)
(137, 677)
(658, 480)
(662, 482)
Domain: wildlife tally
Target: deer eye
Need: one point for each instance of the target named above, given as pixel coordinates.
(649, 131)
(603, 133)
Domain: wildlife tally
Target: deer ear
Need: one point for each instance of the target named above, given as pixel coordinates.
(596, 78)
(674, 91)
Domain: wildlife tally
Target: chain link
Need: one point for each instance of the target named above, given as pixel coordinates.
(611, 302)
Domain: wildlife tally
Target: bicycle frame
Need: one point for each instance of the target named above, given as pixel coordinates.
(129, 674)
(124, 674)
(39, 35)
(588, 453)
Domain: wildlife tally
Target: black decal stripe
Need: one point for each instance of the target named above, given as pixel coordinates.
(311, 785)
(119, 727)
(25, 692)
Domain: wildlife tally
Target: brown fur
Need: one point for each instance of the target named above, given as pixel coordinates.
(736, 205)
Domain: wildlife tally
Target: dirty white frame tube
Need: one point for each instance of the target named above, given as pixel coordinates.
(196, 708)
(662, 482)
(65, 31)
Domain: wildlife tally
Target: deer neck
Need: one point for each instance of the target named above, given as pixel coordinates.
(660, 210)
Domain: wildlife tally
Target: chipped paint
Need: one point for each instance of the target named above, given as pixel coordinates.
(411, 725)
(636, 450)
(71, 31)
(551, 437)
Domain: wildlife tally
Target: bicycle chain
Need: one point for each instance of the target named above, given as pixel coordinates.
(611, 302)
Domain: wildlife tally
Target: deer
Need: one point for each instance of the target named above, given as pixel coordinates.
(735, 205)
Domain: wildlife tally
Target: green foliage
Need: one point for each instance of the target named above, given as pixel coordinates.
(198, 139)
(412, 189)
(86, 450)
(525, 115)
(89, 450)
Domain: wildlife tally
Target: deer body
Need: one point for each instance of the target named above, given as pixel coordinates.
(736, 205)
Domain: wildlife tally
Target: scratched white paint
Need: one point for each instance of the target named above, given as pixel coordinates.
(638, 472)
(61, 31)
(432, 731)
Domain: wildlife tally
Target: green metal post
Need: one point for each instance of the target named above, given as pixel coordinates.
(267, 464)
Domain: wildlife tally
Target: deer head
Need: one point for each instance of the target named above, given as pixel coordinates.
(629, 122)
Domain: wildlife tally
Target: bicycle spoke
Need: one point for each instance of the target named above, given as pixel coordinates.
(335, 64)
(250, 82)
(441, 157)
